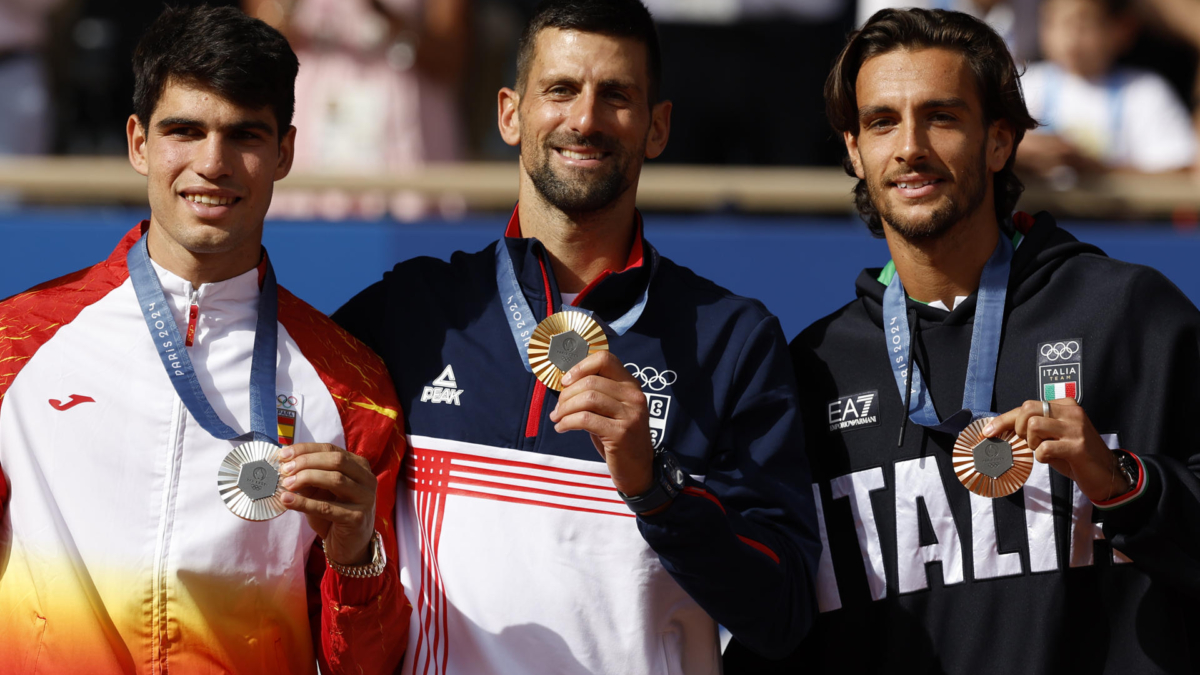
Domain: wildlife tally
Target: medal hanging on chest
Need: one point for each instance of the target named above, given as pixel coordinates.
(248, 478)
(563, 339)
(989, 467)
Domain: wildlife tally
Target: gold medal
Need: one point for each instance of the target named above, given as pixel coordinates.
(248, 481)
(560, 342)
(991, 467)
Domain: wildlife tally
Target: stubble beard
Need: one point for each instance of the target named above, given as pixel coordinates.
(955, 207)
(582, 193)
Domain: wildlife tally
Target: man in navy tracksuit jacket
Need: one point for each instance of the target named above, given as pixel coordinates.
(520, 552)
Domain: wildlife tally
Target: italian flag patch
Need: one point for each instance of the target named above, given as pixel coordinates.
(1059, 390)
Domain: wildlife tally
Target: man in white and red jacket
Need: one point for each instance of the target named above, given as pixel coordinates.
(124, 386)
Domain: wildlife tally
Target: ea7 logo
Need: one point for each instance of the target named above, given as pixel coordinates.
(854, 411)
(444, 389)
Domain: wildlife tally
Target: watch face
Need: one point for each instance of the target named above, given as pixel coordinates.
(672, 470)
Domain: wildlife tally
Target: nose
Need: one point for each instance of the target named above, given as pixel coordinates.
(583, 114)
(212, 160)
(912, 144)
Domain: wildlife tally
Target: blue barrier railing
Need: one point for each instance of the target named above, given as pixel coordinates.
(801, 268)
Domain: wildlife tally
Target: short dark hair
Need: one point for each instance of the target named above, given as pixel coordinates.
(220, 49)
(996, 75)
(618, 18)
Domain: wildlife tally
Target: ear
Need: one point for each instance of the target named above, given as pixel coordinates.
(508, 116)
(660, 129)
(287, 153)
(855, 158)
(135, 135)
(1000, 145)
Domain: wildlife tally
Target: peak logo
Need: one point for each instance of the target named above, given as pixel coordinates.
(854, 411)
(444, 389)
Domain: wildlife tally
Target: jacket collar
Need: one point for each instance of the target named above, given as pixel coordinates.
(610, 294)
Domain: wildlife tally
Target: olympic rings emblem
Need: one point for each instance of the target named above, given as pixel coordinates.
(1060, 350)
(651, 377)
(286, 401)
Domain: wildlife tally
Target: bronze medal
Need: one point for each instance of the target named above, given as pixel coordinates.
(248, 481)
(991, 467)
(560, 342)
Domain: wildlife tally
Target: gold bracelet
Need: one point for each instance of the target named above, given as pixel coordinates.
(371, 569)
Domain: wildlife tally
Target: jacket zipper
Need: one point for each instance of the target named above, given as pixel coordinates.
(193, 318)
(166, 521)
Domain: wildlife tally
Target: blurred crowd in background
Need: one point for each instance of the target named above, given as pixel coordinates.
(388, 85)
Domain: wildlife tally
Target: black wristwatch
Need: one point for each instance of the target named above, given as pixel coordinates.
(1128, 468)
(668, 482)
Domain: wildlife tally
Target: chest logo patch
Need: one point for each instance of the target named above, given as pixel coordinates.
(444, 389)
(659, 404)
(287, 413)
(854, 411)
(1060, 365)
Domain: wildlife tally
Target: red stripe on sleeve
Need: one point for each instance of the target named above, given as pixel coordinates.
(697, 492)
(761, 548)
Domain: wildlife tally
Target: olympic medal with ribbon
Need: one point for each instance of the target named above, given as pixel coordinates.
(248, 478)
(563, 339)
(988, 467)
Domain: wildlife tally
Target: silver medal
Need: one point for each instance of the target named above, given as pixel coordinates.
(249, 483)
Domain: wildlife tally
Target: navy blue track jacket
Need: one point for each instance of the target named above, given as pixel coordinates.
(516, 551)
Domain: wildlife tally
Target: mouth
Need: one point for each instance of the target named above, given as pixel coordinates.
(582, 156)
(916, 187)
(210, 200)
(211, 204)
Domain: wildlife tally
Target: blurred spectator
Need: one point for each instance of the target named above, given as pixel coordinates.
(1182, 17)
(25, 116)
(1015, 20)
(377, 92)
(1096, 116)
(747, 79)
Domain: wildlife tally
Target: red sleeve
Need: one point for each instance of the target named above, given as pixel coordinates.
(3, 492)
(364, 622)
(359, 625)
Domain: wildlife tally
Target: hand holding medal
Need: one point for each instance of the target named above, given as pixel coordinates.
(599, 396)
(1060, 434)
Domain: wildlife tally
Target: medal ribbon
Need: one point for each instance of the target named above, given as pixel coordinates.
(985, 346)
(167, 340)
(521, 319)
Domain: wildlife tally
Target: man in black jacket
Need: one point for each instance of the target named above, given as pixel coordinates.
(1091, 567)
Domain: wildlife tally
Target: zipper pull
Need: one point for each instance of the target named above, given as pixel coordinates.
(193, 317)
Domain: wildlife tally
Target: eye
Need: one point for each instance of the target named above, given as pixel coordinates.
(942, 117)
(880, 123)
(184, 132)
(560, 91)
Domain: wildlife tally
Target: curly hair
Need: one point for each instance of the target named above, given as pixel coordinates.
(996, 75)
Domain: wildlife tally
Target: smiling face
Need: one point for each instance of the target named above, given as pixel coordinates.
(584, 122)
(210, 166)
(923, 146)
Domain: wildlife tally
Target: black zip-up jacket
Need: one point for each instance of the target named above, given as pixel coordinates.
(921, 576)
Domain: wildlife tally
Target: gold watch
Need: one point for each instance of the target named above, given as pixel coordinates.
(371, 569)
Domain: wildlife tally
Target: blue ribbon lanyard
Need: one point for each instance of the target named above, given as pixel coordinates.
(167, 340)
(985, 346)
(521, 319)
